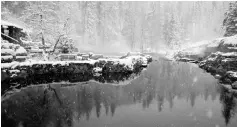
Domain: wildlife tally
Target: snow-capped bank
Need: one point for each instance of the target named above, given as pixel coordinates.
(38, 72)
(218, 57)
(125, 65)
(223, 64)
(200, 50)
(230, 40)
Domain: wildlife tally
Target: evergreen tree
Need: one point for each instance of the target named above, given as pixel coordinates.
(140, 24)
(172, 32)
(41, 16)
(230, 21)
(91, 21)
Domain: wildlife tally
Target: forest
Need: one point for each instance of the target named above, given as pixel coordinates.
(129, 26)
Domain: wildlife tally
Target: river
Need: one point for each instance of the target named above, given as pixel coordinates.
(166, 94)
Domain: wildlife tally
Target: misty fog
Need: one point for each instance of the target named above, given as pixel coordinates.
(120, 26)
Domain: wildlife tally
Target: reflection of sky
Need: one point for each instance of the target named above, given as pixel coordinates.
(166, 94)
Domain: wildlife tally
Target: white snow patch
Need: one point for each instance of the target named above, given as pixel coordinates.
(231, 40)
(6, 57)
(97, 69)
(14, 71)
(232, 73)
(8, 65)
(21, 57)
(20, 50)
(79, 58)
(227, 54)
(36, 50)
(7, 51)
(214, 43)
(212, 58)
(7, 45)
(63, 63)
(228, 59)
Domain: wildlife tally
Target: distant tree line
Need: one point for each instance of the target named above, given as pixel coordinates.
(141, 24)
(230, 21)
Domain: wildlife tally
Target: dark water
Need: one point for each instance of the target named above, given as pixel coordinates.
(167, 94)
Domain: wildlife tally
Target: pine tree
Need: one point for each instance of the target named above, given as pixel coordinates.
(42, 18)
(172, 32)
(91, 21)
(230, 21)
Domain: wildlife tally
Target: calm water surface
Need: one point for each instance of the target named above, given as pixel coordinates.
(167, 94)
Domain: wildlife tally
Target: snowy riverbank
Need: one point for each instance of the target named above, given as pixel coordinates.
(218, 57)
(38, 72)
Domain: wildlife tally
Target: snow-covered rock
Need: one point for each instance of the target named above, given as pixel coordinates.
(232, 73)
(230, 40)
(79, 58)
(7, 52)
(21, 51)
(223, 64)
(7, 45)
(218, 57)
(97, 69)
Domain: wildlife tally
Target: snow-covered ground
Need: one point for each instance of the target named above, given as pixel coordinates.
(21, 50)
(128, 61)
(227, 54)
(231, 40)
(203, 48)
(9, 50)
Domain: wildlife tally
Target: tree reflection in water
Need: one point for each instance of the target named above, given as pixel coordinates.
(229, 104)
(58, 106)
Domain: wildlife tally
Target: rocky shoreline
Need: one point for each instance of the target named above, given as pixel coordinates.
(218, 57)
(21, 74)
